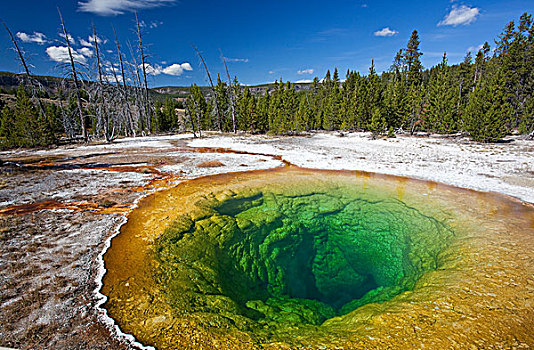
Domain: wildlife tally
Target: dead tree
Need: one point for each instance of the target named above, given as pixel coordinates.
(143, 65)
(230, 92)
(138, 90)
(75, 78)
(197, 112)
(219, 124)
(119, 121)
(129, 120)
(103, 115)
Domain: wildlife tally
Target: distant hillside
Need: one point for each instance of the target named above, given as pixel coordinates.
(183, 91)
(10, 81)
(51, 85)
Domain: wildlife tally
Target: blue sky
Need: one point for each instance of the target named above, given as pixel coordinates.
(263, 41)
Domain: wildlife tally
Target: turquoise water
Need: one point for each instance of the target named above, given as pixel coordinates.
(269, 258)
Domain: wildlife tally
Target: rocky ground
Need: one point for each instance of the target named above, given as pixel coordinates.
(59, 207)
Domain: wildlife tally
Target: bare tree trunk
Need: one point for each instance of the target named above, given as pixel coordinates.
(75, 78)
(103, 115)
(188, 111)
(219, 124)
(197, 112)
(138, 90)
(147, 103)
(118, 122)
(27, 70)
(124, 87)
(231, 93)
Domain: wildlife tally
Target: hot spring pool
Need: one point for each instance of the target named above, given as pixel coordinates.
(294, 257)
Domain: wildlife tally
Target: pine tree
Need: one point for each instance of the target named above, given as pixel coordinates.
(442, 117)
(412, 60)
(236, 92)
(165, 115)
(263, 112)
(347, 113)
(360, 95)
(512, 55)
(374, 95)
(396, 102)
(200, 110)
(480, 64)
(303, 115)
(488, 109)
(378, 125)
(464, 87)
(223, 101)
(350, 81)
(158, 115)
(275, 108)
(329, 101)
(24, 126)
(48, 125)
(416, 106)
(315, 105)
(7, 127)
(335, 78)
(527, 120)
(246, 107)
(398, 66)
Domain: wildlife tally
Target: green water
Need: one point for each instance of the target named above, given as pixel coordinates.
(270, 258)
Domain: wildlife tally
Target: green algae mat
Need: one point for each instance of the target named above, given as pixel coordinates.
(295, 258)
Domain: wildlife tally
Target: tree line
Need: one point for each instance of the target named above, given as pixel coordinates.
(487, 96)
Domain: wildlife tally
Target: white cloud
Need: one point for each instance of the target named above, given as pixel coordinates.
(91, 41)
(118, 7)
(61, 54)
(386, 32)
(462, 15)
(271, 72)
(152, 70)
(245, 60)
(85, 51)
(304, 81)
(177, 69)
(36, 37)
(83, 42)
(305, 71)
(174, 69)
